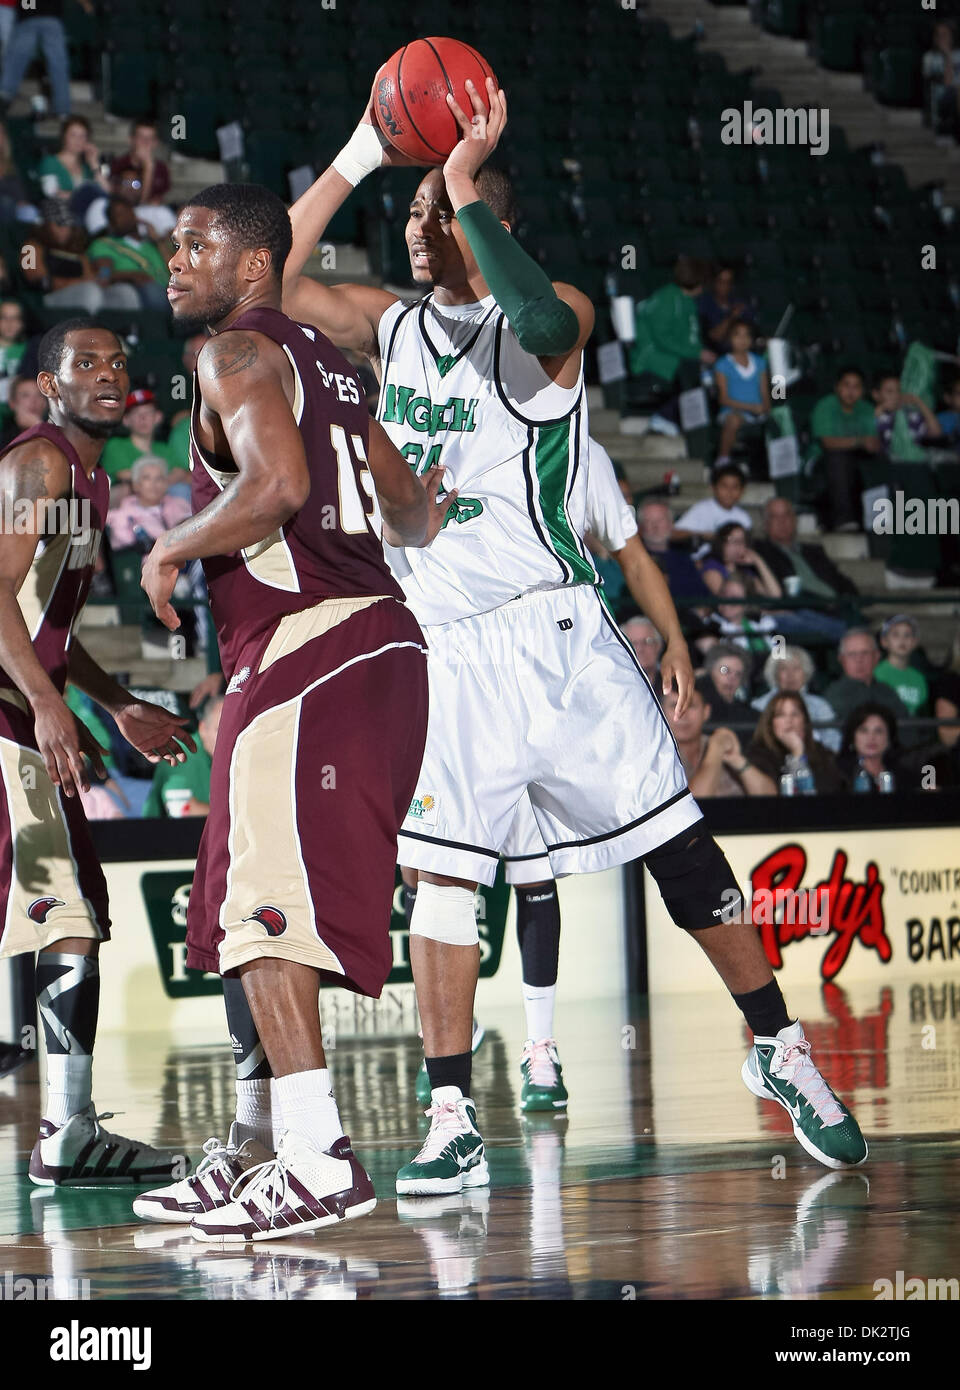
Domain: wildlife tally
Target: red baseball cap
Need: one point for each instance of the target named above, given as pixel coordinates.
(142, 396)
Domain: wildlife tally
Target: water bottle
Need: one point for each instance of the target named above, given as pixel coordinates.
(806, 786)
(863, 782)
(788, 784)
(671, 482)
(885, 782)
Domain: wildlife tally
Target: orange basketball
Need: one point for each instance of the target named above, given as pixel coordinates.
(412, 87)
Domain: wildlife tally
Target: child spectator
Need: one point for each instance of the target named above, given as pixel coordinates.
(142, 419)
(898, 638)
(705, 517)
(730, 556)
(792, 670)
(743, 388)
(27, 405)
(714, 765)
(12, 344)
(844, 430)
(784, 742)
(921, 421)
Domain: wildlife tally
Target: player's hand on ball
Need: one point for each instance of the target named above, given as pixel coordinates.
(154, 731)
(676, 669)
(432, 482)
(158, 581)
(391, 158)
(480, 133)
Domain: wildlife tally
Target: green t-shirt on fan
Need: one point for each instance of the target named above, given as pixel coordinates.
(910, 685)
(128, 257)
(120, 455)
(173, 786)
(831, 421)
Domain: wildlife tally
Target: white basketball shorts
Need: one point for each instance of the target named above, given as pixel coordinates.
(542, 695)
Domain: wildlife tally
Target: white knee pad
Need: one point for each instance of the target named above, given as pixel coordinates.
(445, 914)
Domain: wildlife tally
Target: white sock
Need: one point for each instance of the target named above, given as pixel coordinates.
(308, 1107)
(538, 1002)
(68, 1085)
(276, 1115)
(255, 1112)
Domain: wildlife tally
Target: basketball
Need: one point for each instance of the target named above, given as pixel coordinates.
(412, 87)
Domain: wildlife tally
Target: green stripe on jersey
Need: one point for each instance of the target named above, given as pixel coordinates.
(552, 462)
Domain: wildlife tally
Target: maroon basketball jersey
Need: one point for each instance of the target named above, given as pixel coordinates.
(52, 596)
(331, 547)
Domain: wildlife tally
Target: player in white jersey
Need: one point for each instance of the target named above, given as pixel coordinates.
(532, 687)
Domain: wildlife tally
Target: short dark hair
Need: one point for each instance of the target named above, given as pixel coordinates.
(740, 323)
(142, 121)
(252, 216)
(68, 121)
(889, 374)
(848, 369)
(53, 342)
(726, 470)
(689, 272)
(496, 190)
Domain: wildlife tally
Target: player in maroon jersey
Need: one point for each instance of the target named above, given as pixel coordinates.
(53, 898)
(324, 717)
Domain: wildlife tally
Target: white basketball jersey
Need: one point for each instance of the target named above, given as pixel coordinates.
(458, 390)
(610, 518)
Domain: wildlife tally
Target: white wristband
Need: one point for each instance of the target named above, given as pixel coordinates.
(361, 154)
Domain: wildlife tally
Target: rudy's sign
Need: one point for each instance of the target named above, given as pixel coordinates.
(840, 905)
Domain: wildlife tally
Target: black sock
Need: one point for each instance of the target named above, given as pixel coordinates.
(451, 1071)
(68, 997)
(538, 932)
(764, 1010)
(248, 1054)
(409, 898)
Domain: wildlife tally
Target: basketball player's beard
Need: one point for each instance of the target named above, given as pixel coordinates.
(212, 313)
(96, 429)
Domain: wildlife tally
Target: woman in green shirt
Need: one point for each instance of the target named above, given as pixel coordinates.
(76, 162)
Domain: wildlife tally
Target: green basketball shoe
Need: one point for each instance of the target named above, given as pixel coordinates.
(423, 1080)
(542, 1087)
(452, 1156)
(780, 1069)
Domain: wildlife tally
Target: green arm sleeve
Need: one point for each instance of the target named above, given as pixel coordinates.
(545, 326)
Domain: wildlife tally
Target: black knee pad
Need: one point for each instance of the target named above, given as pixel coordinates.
(696, 883)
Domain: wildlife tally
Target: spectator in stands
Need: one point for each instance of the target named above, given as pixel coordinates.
(784, 743)
(14, 203)
(682, 575)
(28, 406)
(76, 163)
(898, 638)
(870, 742)
(806, 560)
(730, 556)
(719, 309)
(743, 388)
(12, 344)
(121, 257)
(667, 351)
(949, 418)
(731, 622)
(149, 510)
(844, 430)
(858, 654)
(58, 266)
(945, 695)
(184, 790)
(150, 184)
(725, 672)
(792, 670)
(648, 644)
(921, 422)
(715, 765)
(705, 517)
(941, 67)
(142, 419)
(39, 28)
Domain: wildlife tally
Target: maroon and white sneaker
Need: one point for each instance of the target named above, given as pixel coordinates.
(207, 1188)
(81, 1153)
(300, 1190)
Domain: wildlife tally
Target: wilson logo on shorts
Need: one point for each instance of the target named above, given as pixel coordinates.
(271, 919)
(565, 624)
(38, 909)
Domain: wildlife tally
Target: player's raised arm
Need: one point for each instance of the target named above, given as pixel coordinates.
(241, 376)
(347, 314)
(552, 322)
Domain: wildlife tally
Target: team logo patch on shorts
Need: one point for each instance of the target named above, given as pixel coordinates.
(271, 919)
(424, 809)
(38, 909)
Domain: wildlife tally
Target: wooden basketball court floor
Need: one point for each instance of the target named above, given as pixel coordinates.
(666, 1180)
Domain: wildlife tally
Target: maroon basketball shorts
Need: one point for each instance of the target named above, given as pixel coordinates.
(320, 743)
(51, 882)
